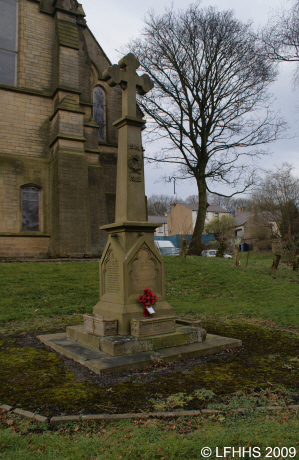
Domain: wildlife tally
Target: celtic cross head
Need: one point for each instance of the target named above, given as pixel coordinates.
(124, 74)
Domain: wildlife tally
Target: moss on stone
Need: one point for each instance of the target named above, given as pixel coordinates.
(68, 34)
(40, 380)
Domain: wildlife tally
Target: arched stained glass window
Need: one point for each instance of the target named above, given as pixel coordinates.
(30, 209)
(99, 111)
(8, 41)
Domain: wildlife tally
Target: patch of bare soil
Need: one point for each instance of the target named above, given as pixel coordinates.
(83, 374)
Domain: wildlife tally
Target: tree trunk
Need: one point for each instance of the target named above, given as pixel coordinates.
(183, 251)
(295, 261)
(275, 262)
(196, 246)
(237, 256)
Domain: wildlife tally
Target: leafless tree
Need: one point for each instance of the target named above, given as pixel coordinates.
(276, 200)
(281, 36)
(226, 202)
(159, 205)
(192, 199)
(241, 202)
(210, 101)
(219, 200)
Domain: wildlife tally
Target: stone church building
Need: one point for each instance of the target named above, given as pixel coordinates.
(58, 147)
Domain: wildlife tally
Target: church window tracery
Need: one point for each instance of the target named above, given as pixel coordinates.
(30, 208)
(99, 111)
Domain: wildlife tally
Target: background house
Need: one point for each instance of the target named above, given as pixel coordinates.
(162, 220)
(250, 225)
(58, 145)
(182, 217)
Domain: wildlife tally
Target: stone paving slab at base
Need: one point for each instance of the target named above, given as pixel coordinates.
(101, 363)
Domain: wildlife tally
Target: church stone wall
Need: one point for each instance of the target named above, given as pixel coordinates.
(70, 124)
(36, 38)
(97, 199)
(69, 68)
(24, 246)
(24, 123)
(71, 227)
(17, 172)
(49, 139)
(84, 68)
(9, 197)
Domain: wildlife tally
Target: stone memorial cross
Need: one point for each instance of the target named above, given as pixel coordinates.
(130, 193)
(124, 74)
(131, 264)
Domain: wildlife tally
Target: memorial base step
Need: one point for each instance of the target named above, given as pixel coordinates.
(127, 345)
(99, 325)
(101, 363)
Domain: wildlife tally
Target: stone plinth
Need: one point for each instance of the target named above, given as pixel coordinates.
(130, 263)
(122, 346)
(99, 325)
(101, 363)
(153, 326)
(87, 339)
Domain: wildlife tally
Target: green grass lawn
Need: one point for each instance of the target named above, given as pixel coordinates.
(170, 439)
(250, 302)
(36, 291)
(38, 295)
(214, 287)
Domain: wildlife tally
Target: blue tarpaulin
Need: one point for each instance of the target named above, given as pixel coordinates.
(176, 239)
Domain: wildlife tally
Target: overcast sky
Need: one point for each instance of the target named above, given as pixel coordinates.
(115, 22)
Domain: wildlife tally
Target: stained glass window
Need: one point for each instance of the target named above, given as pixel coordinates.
(8, 41)
(99, 111)
(30, 209)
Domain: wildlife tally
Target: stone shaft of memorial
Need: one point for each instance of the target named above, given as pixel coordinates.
(130, 262)
(130, 192)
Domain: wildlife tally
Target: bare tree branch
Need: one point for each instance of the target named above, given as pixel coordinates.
(276, 199)
(281, 37)
(210, 100)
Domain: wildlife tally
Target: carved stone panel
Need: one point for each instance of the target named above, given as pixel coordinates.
(110, 274)
(135, 163)
(144, 272)
(105, 327)
(153, 326)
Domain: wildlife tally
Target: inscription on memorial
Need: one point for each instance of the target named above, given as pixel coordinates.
(134, 178)
(111, 274)
(134, 147)
(144, 272)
